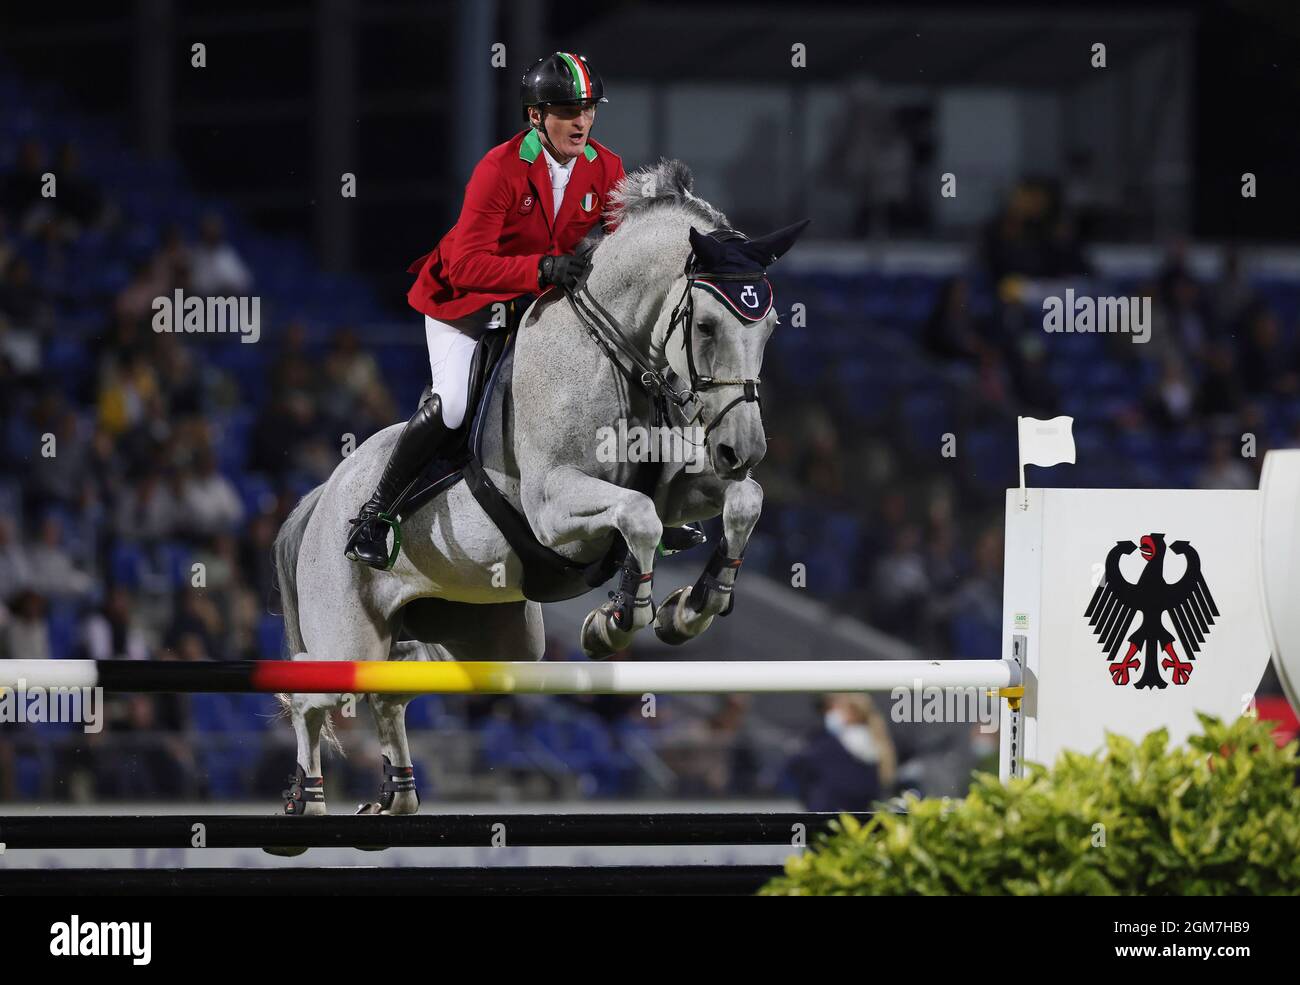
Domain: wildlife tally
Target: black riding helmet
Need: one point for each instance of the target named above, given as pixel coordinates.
(563, 78)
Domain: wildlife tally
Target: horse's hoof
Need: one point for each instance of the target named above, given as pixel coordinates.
(599, 637)
(284, 851)
(668, 620)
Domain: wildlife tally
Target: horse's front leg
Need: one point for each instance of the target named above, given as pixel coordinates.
(688, 612)
(578, 507)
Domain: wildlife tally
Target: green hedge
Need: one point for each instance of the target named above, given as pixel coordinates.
(1219, 816)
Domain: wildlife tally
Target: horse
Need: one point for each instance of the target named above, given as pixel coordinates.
(643, 321)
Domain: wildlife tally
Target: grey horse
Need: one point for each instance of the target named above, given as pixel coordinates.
(456, 591)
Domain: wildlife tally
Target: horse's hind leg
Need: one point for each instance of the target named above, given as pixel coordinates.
(398, 794)
(306, 793)
(509, 630)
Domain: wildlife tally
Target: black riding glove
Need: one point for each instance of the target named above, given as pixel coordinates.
(563, 271)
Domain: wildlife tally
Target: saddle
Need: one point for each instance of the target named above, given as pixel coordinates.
(547, 575)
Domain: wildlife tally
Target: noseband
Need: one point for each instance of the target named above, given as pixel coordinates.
(610, 336)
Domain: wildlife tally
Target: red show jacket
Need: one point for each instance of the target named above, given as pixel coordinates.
(505, 226)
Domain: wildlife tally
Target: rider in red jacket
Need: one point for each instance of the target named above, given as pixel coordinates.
(528, 204)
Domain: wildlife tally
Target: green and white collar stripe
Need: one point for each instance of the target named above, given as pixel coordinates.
(531, 146)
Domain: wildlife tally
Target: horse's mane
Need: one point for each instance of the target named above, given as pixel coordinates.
(667, 183)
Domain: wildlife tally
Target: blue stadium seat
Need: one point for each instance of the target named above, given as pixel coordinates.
(254, 712)
(213, 713)
(64, 626)
(270, 635)
(126, 562)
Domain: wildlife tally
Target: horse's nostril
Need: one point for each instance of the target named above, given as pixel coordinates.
(728, 456)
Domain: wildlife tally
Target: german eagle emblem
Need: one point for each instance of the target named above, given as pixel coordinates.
(1117, 601)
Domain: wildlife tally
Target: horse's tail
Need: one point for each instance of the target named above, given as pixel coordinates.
(284, 557)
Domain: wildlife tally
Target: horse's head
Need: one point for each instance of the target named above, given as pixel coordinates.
(716, 338)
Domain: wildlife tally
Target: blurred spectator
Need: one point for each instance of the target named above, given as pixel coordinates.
(24, 631)
(1015, 242)
(1172, 402)
(255, 555)
(871, 157)
(15, 569)
(1030, 378)
(348, 366)
(1266, 365)
(111, 632)
(900, 586)
(1224, 470)
(6, 245)
(21, 299)
(126, 389)
(147, 511)
(20, 190)
(216, 267)
(1090, 200)
(53, 573)
(196, 625)
(849, 764)
(1065, 248)
(1233, 295)
(135, 301)
(1186, 319)
(952, 332)
(1220, 394)
(225, 588)
(79, 203)
(58, 476)
(173, 262)
(974, 611)
(210, 503)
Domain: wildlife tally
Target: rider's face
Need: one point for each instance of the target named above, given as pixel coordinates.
(568, 126)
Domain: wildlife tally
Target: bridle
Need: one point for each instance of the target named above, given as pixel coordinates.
(612, 338)
(684, 314)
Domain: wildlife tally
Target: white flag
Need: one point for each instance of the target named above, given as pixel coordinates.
(1046, 442)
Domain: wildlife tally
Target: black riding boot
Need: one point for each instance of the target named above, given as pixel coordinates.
(420, 440)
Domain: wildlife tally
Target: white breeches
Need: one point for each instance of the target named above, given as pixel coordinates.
(451, 351)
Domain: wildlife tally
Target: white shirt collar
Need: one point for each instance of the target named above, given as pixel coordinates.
(553, 164)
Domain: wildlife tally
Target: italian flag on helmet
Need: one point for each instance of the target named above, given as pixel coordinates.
(561, 77)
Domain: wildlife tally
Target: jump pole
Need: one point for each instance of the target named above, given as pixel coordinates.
(498, 677)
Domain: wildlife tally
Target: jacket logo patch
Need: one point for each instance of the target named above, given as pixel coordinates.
(526, 205)
(588, 202)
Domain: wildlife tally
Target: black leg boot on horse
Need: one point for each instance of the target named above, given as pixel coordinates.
(423, 437)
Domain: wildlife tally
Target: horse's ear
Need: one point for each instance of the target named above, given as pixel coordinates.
(708, 251)
(770, 248)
